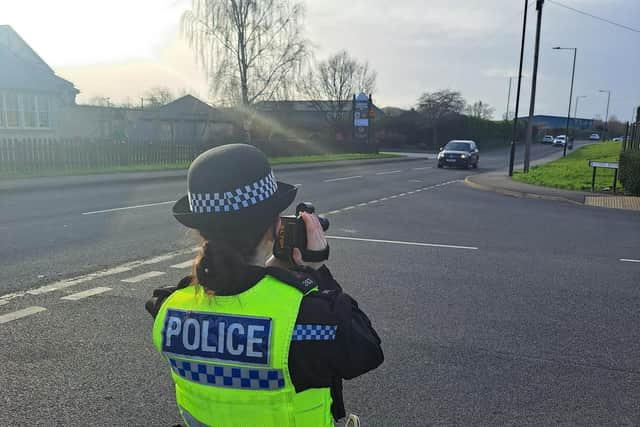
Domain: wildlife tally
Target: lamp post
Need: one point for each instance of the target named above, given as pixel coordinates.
(575, 110)
(514, 136)
(606, 119)
(534, 79)
(573, 73)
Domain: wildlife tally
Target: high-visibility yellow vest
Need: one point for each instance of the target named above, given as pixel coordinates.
(229, 357)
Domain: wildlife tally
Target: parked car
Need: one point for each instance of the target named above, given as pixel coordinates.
(594, 137)
(559, 141)
(463, 153)
(618, 139)
(548, 139)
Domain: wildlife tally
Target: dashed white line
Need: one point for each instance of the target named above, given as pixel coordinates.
(629, 260)
(185, 264)
(85, 294)
(333, 212)
(128, 207)
(343, 178)
(399, 242)
(388, 172)
(402, 194)
(20, 314)
(348, 208)
(362, 204)
(422, 168)
(144, 276)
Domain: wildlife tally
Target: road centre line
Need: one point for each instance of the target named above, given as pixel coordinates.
(85, 294)
(62, 284)
(185, 264)
(144, 276)
(629, 260)
(20, 314)
(343, 178)
(388, 172)
(399, 242)
(128, 207)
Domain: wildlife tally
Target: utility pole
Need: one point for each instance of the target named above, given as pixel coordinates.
(506, 115)
(573, 73)
(606, 119)
(514, 136)
(532, 105)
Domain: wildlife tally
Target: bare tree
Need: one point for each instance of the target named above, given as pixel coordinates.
(480, 110)
(158, 96)
(435, 106)
(249, 49)
(99, 101)
(330, 85)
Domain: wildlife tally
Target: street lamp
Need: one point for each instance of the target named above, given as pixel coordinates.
(573, 72)
(606, 120)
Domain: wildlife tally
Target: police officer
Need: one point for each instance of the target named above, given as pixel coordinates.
(252, 340)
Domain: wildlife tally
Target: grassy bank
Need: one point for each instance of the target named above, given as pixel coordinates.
(573, 172)
(185, 165)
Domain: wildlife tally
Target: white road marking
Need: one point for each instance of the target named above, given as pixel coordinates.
(362, 204)
(629, 260)
(343, 178)
(388, 172)
(415, 180)
(85, 294)
(20, 314)
(144, 276)
(297, 185)
(185, 264)
(402, 194)
(333, 212)
(422, 168)
(128, 207)
(62, 284)
(348, 208)
(399, 242)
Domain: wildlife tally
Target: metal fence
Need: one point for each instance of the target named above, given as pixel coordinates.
(28, 155)
(632, 137)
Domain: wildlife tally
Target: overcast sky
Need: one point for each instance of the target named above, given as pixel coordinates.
(120, 48)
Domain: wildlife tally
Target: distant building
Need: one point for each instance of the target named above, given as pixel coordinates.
(560, 122)
(31, 95)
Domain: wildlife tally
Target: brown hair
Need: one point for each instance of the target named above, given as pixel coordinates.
(222, 262)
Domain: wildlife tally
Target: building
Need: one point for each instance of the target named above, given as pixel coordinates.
(560, 122)
(31, 94)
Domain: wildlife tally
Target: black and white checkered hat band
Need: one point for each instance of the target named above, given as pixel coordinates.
(234, 200)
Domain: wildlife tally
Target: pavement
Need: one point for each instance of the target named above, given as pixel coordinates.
(500, 182)
(492, 310)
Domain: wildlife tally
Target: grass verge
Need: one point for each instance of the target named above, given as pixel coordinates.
(573, 172)
(184, 165)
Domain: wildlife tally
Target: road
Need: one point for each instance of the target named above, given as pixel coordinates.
(492, 309)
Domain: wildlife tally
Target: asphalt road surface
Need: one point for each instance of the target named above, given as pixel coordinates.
(492, 310)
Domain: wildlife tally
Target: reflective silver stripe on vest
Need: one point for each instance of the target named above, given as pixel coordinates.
(228, 376)
(190, 419)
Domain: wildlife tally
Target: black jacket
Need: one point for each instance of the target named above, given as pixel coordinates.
(315, 364)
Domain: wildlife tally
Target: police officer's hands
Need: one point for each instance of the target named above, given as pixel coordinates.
(316, 240)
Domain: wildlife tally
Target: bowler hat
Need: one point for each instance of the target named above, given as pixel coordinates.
(231, 189)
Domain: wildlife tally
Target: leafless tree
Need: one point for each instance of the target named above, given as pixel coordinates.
(480, 110)
(99, 101)
(250, 49)
(330, 84)
(158, 96)
(435, 106)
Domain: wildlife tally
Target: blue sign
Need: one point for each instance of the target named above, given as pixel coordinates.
(213, 336)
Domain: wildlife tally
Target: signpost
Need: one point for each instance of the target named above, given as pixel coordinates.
(363, 118)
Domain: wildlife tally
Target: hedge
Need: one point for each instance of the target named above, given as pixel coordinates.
(630, 171)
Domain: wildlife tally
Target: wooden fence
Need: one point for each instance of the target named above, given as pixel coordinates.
(32, 155)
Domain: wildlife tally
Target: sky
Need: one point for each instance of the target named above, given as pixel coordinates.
(121, 48)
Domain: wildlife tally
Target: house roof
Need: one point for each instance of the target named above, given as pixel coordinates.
(22, 68)
(187, 107)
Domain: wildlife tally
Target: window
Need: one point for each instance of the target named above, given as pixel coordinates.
(3, 118)
(29, 109)
(43, 111)
(12, 105)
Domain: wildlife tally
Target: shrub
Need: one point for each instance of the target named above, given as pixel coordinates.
(630, 171)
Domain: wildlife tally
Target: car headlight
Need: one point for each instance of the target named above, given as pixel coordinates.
(462, 156)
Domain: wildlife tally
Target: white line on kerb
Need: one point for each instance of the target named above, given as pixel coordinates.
(20, 314)
(144, 276)
(388, 172)
(185, 264)
(398, 242)
(87, 293)
(343, 178)
(629, 260)
(128, 207)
